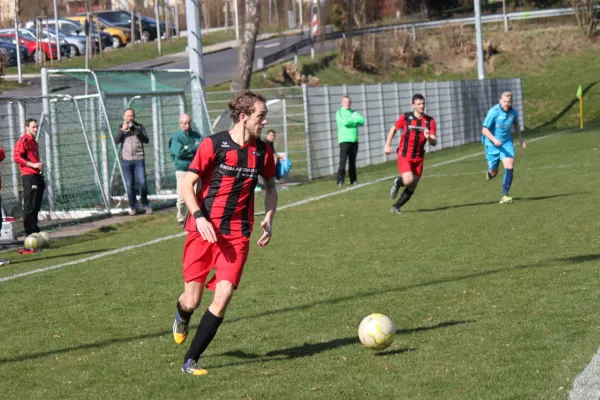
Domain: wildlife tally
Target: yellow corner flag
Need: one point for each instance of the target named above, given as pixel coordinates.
(580, 97)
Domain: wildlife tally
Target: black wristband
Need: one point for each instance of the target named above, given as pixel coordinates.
(198, 214)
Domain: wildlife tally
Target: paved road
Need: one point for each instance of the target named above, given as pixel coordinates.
(220, 66)
(219, 62)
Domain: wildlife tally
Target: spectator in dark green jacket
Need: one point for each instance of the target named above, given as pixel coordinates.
(348, 122)
(182, 148)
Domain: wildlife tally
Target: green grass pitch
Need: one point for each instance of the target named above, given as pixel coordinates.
(489, 301)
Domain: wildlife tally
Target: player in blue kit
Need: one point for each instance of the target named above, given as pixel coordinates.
(498, 142)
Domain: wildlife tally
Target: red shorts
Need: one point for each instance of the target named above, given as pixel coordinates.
(227, 256)
(408, 165)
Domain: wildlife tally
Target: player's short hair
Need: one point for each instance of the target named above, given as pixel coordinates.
(346, 97)
(29, 121)
(129, 109)
(417, 96)
(506, 94)
(243, 102)
(271, 130)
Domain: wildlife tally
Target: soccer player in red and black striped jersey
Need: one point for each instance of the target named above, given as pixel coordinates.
(221, 217)
(417, 129)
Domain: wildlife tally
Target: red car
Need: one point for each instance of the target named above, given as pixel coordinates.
(49, 49)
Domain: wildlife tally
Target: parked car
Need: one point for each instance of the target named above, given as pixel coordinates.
(48, 50)
(123, 18)
(9, 50)
(74, 45)
(73, 28)
(163, 26)
(120, 35)
(62, 43)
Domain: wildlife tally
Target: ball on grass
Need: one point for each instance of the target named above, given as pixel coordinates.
(376, 332)
(46, 237)
(32, 242)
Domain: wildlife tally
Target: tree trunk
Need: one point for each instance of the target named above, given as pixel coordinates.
(205, 14)
(349, 53)
(243, 73)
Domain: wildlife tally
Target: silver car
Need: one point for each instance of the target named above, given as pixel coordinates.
(73, 28)
(75, 45)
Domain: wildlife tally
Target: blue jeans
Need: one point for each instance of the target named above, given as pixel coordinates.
(137, 168)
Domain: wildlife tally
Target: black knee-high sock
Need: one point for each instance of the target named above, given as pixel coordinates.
(404, 197)
(186, 315)
(204, 335)
(399, 182)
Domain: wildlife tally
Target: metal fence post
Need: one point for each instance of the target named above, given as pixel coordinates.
(155, 139)
(22, 112)
(161, 138)
(425, 95)
(306, 131)
(104, 150)
(55, 146)
(94, 140)
(285, 128)
(397, 97)
(329, 129)
(366, 125)
(398, 105)
(182, 104)
(12, 139)
(47, 140)
(451, 118)
(439, 108)
(380, 90)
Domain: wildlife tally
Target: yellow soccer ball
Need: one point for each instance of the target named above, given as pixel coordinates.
(32, 242)
(376, 332)
(46, 237)
(40, 237)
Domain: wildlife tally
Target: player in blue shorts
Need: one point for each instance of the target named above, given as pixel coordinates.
(498, 141)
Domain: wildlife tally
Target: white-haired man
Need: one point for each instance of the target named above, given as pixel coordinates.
(182, 148)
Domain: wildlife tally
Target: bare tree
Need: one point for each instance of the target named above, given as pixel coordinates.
(586, 15)
(243, 73)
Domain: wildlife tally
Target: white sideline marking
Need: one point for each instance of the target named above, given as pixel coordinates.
(97, 256)
(587, 384)
(298, 203)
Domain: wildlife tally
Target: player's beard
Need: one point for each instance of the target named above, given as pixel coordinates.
(255, 133)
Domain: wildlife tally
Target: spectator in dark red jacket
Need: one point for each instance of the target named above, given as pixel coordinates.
(26, 154)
